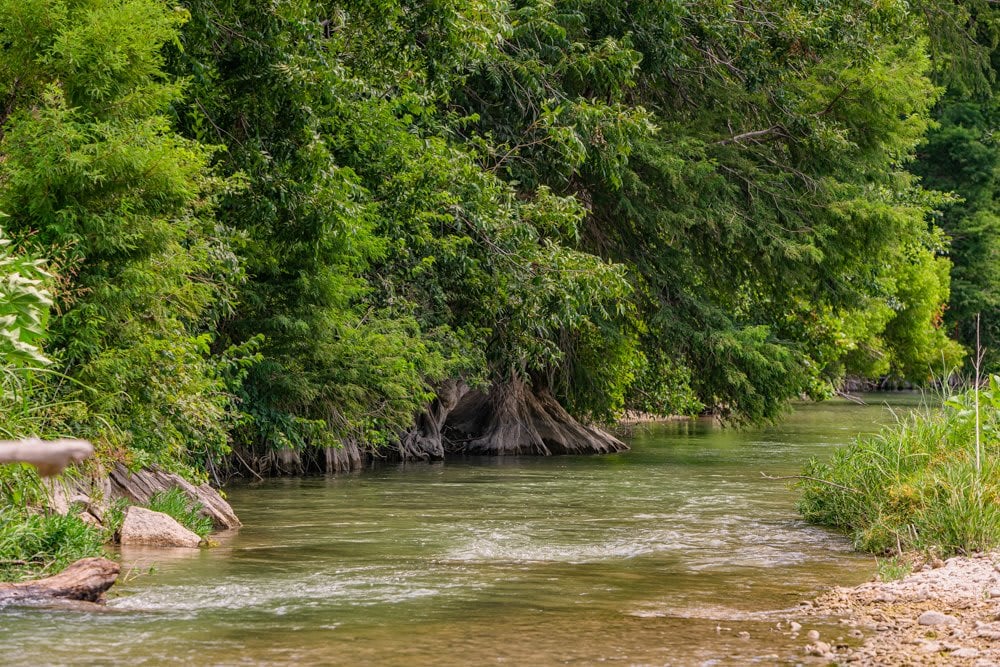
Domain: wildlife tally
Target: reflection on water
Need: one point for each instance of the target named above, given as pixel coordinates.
(661, 555)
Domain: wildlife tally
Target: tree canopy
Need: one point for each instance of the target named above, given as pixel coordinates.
(286, 226)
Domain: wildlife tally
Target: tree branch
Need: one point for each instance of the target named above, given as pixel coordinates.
(49, 457)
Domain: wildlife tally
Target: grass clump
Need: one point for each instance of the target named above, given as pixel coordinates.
(177, 504)
(893, 568)
(918, 484)
(38, 545)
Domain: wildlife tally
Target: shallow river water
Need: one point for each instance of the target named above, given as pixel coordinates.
(657, 556)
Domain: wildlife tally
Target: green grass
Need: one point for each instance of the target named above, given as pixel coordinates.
(915, 485)
(186, 512)
(893, 568)
(38, 545)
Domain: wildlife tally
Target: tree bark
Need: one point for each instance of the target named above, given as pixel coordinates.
(514, 418)
(86, 579)
(425, 441)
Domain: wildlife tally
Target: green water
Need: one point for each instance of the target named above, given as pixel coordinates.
(660, 555)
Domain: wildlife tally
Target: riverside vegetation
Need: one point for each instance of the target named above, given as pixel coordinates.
(264, 237)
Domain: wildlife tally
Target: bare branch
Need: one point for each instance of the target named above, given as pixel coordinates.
(755, 136)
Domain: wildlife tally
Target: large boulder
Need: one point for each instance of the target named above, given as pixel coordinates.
(141, 485)
(156, 529)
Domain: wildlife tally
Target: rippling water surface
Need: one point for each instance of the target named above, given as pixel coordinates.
(660, 555)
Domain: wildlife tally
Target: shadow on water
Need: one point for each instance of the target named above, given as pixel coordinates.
(660, 555)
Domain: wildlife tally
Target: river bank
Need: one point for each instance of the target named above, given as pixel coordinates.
(945, 614)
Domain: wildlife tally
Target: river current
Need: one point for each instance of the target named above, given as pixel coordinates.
(657, 556)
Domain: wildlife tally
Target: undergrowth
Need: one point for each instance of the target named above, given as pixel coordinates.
(917, 483)
(38, 545)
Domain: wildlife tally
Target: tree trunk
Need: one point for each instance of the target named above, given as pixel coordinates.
(424, 442)
(515, 419)
(86, 579)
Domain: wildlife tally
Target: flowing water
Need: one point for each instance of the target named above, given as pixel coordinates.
(661, 555)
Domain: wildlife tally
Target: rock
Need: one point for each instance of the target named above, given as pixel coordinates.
(143, 526)
(141, 485)
(795, 627)
(966, 653)
(744, 635)
(936, 618)
(813, 635)
(856, 634)
(819, 649)
(930, 647)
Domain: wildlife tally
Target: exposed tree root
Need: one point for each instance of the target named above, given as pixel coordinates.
(516, 419)
(425, 440)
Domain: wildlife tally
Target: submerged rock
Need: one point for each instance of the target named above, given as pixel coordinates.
(146, 527)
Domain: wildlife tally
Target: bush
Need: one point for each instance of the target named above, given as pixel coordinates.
(916, 484)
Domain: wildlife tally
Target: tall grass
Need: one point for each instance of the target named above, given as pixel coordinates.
(177, 504)
(931, 481)
(35, 545)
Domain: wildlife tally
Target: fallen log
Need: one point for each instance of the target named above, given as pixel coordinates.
(86, 579)
(49, 457)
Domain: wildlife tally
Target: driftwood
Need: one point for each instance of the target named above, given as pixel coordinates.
(86, 579)
(50, 457)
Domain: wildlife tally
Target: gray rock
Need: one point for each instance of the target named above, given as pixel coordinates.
(146, 527)
(936, 618)
(813, 635)
(795, 627)
(139, 486)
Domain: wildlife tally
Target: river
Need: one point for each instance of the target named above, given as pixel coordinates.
(657, 556)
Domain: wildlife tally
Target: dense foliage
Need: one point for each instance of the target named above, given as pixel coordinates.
(281, 226)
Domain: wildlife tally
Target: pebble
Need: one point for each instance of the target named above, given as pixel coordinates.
(819, 648)
(812, 635)
(930, 647)
(857, 634)
(936, 618)
(744, 635)
(795, 627)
